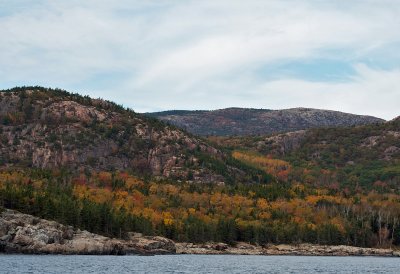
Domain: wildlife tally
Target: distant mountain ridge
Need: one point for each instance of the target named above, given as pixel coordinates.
(249, 121)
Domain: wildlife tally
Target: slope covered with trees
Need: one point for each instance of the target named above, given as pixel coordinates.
(352, 158)
(113, 204)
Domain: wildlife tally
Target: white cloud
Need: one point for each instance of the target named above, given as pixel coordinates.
(372, 92)
(204, 54)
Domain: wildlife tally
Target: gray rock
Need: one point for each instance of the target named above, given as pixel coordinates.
(20, 235)
(299, 250)
(157, 244)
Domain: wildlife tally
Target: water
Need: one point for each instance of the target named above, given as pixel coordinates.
(195, 264)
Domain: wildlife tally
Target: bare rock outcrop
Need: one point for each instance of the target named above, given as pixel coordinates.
(284, 143)
(159, 245)
(22, 233)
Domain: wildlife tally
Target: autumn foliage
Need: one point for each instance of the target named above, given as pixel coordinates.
(116, 203)
(278, 168)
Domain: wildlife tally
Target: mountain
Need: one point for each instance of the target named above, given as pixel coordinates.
(50, 128)
(246, 121)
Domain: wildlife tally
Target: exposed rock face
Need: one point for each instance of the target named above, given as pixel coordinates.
(50, 129)
(371, 141)
(302, 250)
(22, 233)
(282, 144)
(390, 152)
(243, 121)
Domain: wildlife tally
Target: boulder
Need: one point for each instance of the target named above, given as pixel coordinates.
(156, 244)
(220, 246)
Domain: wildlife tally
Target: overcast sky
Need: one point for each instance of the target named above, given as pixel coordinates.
(166, 54)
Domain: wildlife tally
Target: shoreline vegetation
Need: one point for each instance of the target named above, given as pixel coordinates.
(113, 205)
(26, 234)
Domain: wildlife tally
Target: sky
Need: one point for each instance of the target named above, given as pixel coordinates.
(209, 54)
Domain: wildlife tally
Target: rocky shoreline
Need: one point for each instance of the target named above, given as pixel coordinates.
(289, 250)
(26, 234)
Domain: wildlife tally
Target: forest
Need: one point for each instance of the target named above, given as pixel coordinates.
(114, 203)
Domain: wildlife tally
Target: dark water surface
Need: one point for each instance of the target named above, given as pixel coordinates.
(195, 264)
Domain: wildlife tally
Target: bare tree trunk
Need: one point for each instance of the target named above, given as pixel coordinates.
(380, 228)
(393, 229)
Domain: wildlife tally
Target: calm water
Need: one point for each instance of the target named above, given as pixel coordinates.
(196, 264)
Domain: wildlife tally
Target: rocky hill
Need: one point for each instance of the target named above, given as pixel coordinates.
(355, 144)
(365, 155)
(46, 128)
(245, 122)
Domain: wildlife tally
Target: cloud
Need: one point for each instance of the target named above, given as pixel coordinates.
(370, 91)
(153, 55)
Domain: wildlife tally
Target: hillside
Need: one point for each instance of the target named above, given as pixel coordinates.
(364, 156)
(47, 129)
(245, 122)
